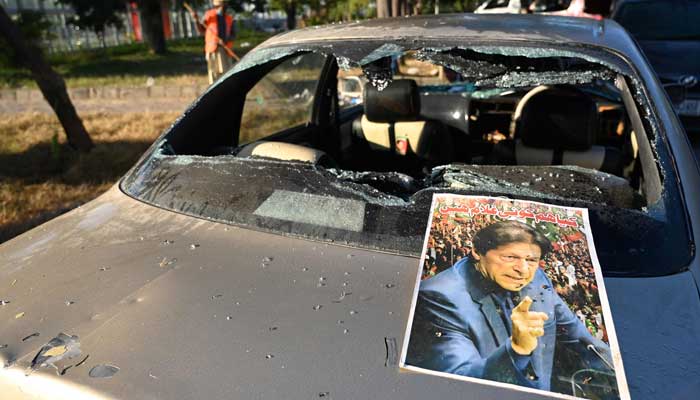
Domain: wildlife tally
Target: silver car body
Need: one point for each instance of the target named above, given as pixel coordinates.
(188, 308)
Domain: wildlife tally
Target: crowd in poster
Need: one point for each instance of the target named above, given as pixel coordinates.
(510, 293)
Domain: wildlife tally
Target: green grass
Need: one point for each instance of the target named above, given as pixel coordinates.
(130, 65)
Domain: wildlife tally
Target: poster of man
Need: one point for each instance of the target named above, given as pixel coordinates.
(510, 293)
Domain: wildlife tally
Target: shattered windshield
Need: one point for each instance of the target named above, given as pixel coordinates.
(347, 143)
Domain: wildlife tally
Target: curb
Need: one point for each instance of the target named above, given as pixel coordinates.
(111, 93)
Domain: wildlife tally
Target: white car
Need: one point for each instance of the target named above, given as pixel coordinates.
(499, 7)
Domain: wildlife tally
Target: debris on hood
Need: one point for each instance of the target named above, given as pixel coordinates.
(30, 337)
(57, 349)
(103, 371)
(79, 363)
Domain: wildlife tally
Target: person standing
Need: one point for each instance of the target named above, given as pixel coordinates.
(571, 274)
(218, 30)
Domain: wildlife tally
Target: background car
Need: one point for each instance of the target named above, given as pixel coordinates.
(669, 34)
(267, 245)
(571, 8)
(500, 6)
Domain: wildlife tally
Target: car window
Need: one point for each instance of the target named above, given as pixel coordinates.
(553, 128)
(664, 20)
(496, 4)
(549, 5)
(283, 98)
(350, 88)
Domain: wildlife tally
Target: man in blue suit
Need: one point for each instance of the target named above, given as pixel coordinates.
(495, 315)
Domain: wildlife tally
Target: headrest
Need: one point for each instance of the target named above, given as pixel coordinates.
(557, 118)
(282, 151)
(399, 101)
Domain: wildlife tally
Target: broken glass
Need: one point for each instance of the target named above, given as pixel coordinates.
(385, 209)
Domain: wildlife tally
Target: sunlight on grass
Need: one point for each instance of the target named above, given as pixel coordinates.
(40, 176)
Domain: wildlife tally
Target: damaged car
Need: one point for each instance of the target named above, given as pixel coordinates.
(267, 244)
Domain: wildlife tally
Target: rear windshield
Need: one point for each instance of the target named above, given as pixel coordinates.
(349, 145)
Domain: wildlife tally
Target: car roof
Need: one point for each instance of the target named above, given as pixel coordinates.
(473, 27)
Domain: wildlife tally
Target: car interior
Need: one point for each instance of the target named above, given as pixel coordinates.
(387, 134)
(428, 115)
(415, 115)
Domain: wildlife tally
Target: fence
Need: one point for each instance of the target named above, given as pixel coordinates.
(66, 37)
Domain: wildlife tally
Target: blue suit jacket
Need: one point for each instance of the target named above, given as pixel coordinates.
(458, 329)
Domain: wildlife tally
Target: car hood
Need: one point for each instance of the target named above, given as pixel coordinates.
(664, 56)
(188, 308)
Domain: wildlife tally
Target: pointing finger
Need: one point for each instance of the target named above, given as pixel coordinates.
(524, 305)
(537, 316)
(536, 331)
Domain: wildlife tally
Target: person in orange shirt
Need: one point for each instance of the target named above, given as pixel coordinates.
(218, 30)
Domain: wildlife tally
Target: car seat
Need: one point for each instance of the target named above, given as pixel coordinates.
(392, 123)
(557, 126)
(286, 152)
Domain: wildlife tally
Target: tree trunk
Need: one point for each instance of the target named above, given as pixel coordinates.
(152, 25)
(383, 8)
(398, 8)
(395, 8)
(103, 39)
(291, 10)
(51, 84)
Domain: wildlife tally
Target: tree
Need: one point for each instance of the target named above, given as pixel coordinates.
(290, 8)
(395, 8)
(96, 15)
(152, 24)
(50, 83)
(34, 27)
(383, 8)
(344, 10)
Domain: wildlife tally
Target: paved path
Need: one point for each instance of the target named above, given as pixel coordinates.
(101, 105)
(106, 99)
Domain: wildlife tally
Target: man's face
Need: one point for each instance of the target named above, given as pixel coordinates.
(512, 266)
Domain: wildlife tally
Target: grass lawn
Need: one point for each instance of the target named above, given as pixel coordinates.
(41, 177)
(132, 64)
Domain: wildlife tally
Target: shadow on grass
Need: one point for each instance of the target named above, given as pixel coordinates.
(43, 162)
(55, 180)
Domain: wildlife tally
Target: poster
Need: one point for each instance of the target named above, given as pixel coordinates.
(510, 293)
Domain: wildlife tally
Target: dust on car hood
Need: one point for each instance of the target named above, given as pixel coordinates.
(187, 308)
(171, 306)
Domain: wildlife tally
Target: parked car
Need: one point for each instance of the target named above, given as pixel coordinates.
(669, 34)
(267, 245)
(595, 9)
(500, 7)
